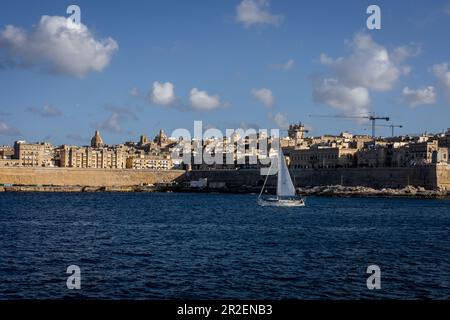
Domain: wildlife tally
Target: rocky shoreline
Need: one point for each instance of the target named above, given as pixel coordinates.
(328, 191)
(24, 188)
(343, 191)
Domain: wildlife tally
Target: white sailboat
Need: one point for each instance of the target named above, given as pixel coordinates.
(285, 188)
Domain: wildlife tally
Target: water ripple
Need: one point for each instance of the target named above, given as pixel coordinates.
(200, 246)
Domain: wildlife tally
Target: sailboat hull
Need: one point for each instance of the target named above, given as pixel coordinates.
(281, 202)
(285, 188)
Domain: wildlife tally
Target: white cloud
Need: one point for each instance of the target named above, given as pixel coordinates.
(257, 12)
(46, 111)
(7, 130)
(442, 73)
(57, 45)
(421, 96)
(264, 96)
(349, 100)
(283, 66)
(402, 53)
(201, 100)
(280, 120)
(370, 65)
(163, 93)
(324, 59)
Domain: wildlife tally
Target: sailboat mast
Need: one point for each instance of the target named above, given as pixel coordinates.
(265, 181)
(279, 177)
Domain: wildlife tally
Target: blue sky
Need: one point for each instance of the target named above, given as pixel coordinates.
(134, 67)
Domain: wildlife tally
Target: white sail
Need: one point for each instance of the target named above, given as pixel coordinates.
(285, 187)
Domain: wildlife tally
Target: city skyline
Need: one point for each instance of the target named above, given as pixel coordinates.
(132, 69)
(229, 132)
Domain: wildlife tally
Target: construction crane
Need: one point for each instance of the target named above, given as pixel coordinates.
(372, 118)
(392, 126)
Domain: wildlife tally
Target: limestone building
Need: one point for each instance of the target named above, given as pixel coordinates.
(322, 157)
(88, 157)
(149, 162)
(34, 154)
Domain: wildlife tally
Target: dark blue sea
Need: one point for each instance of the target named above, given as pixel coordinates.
(214, 246)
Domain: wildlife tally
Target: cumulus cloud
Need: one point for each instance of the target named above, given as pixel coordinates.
(326, 60)
(402, 53)
(47, 111)
(349, 100)
(442, 73)
(283, 66)
(421, 96)
(57, 45)
(264, 96)
(7, 130)
(256, 12)
(163, 94)
(280, 120)
(369, 65)
(201, 100)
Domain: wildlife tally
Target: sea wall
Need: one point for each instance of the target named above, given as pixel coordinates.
(429, 177)
(85, 177)
(424, 176)
(443, 176)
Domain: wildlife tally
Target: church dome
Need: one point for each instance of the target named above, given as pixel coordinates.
(97, 141)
